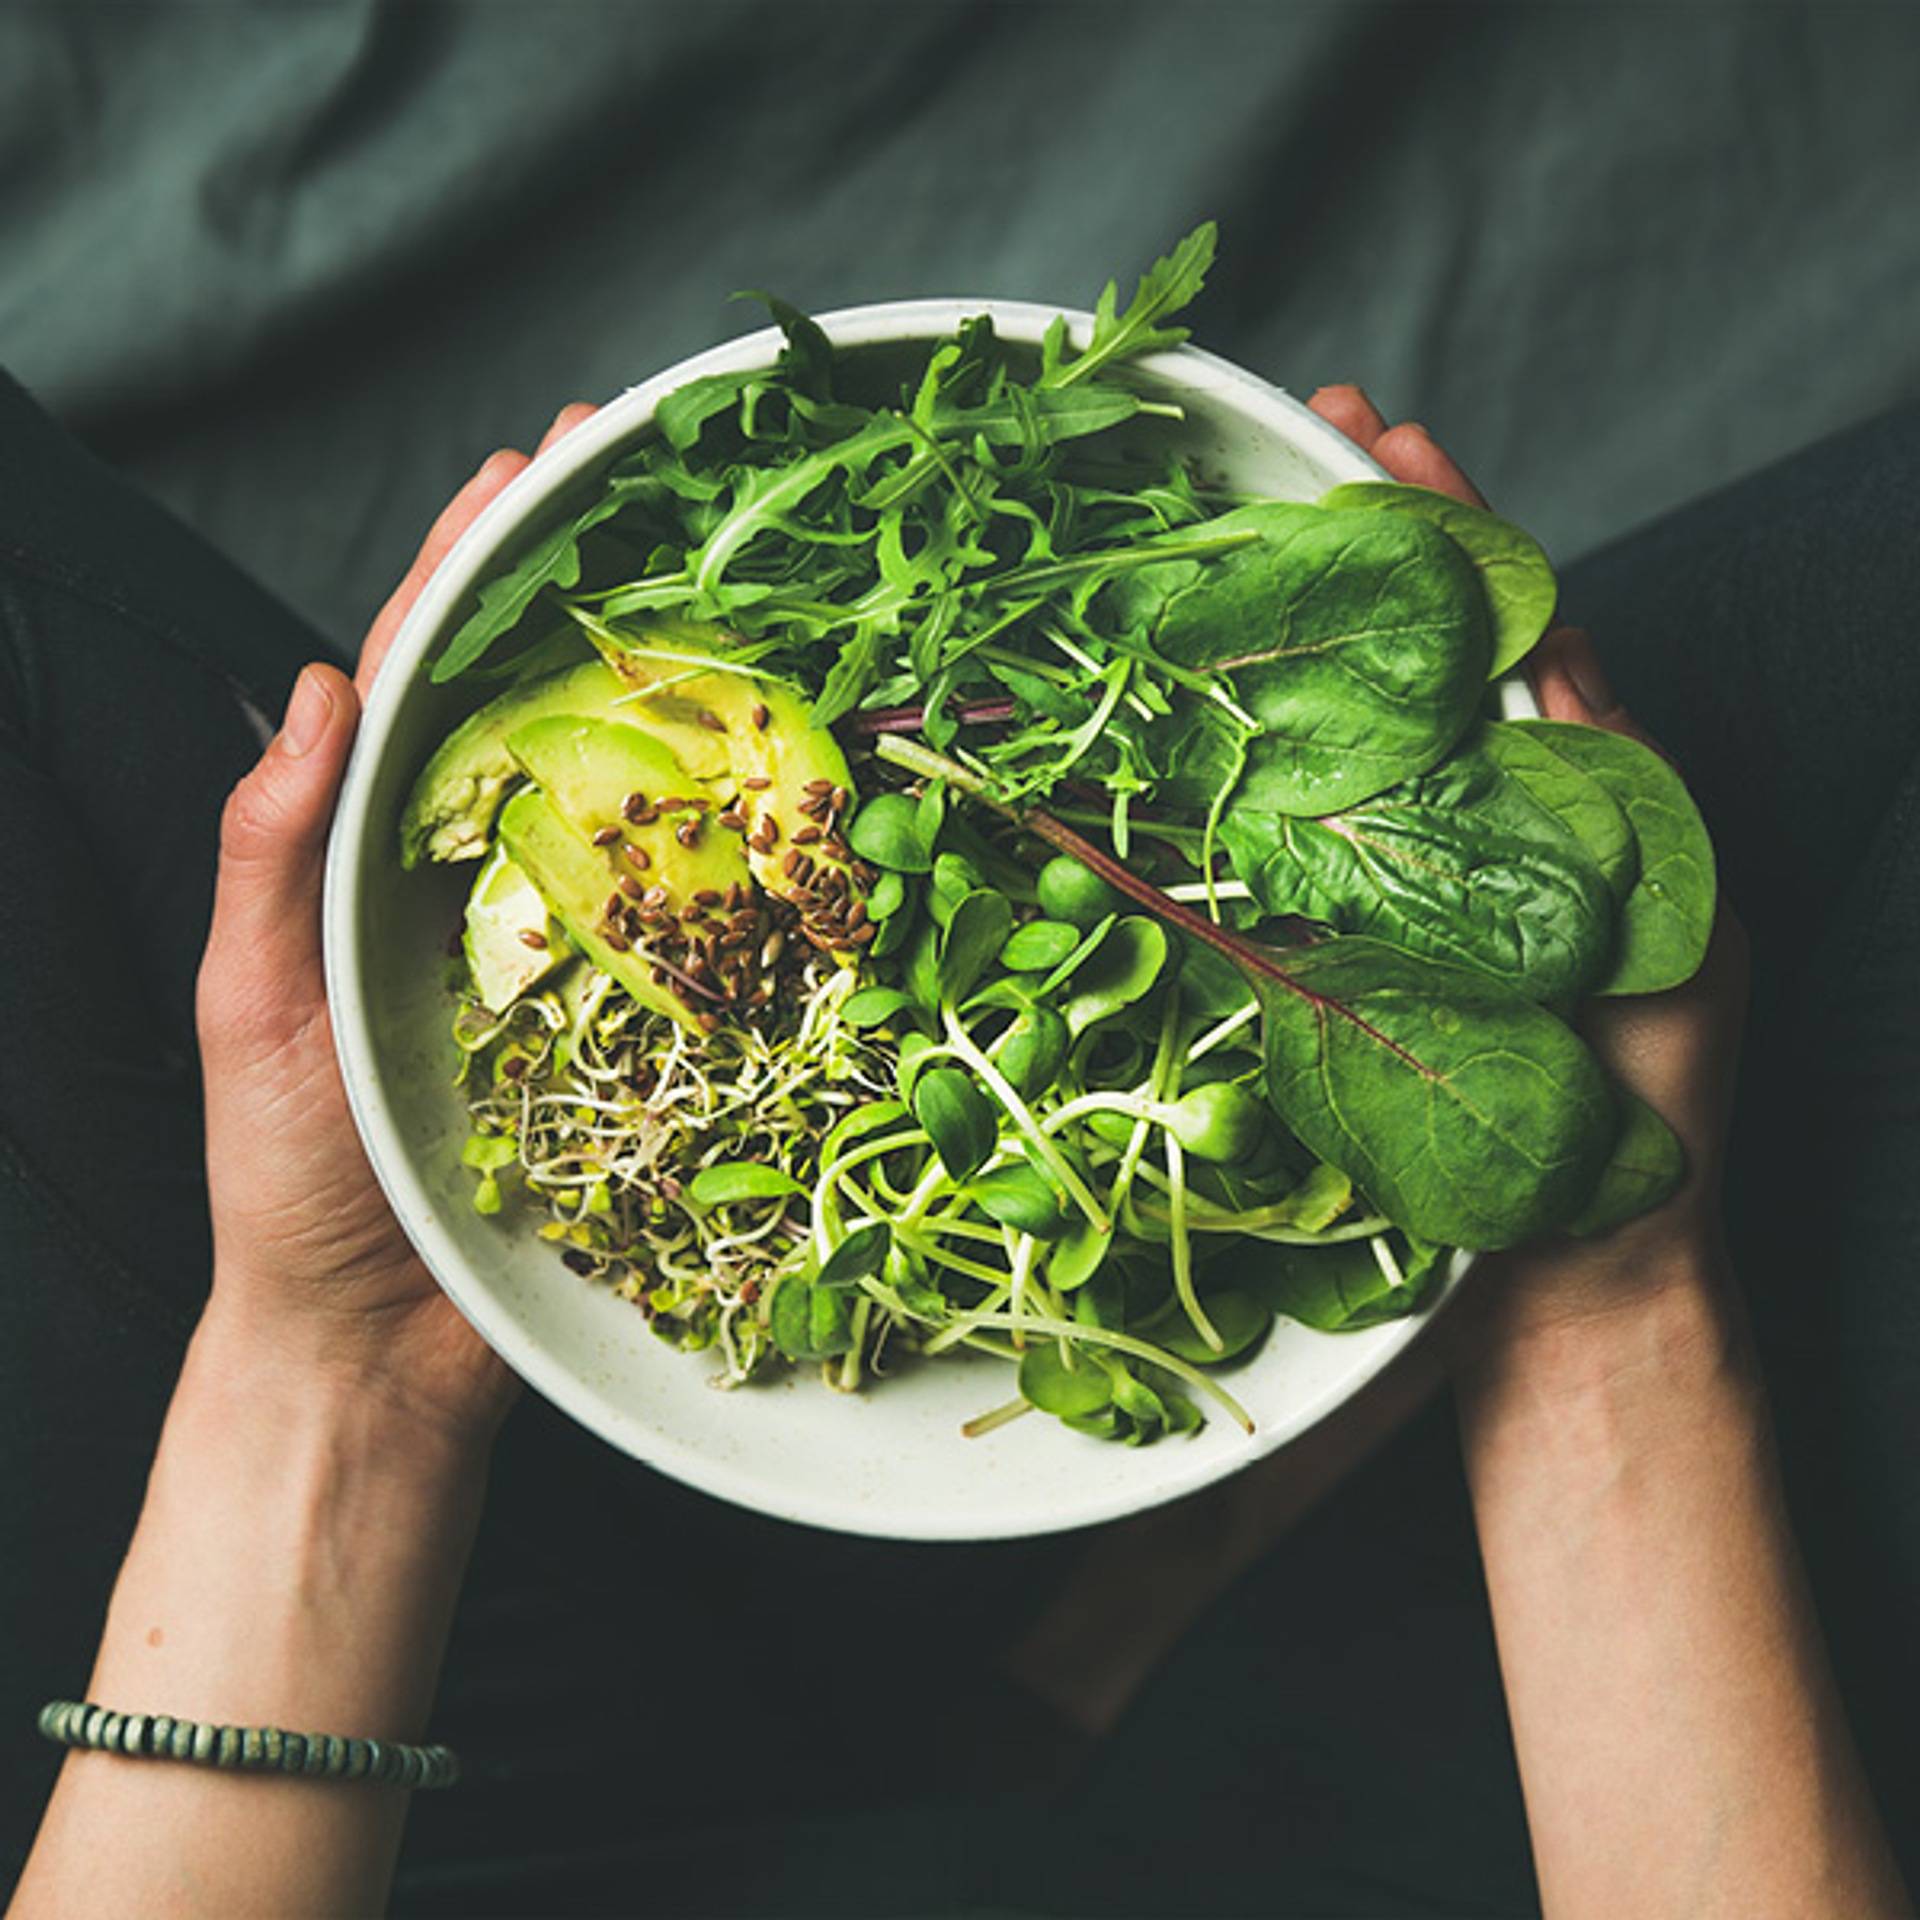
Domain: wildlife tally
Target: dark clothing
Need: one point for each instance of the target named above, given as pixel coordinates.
(677, 1708)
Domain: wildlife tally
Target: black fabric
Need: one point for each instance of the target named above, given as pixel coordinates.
(673, 1707)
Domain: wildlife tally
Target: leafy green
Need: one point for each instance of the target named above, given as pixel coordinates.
(728, 1181)
(1463, 862)
(1472, 1117)
(958, 1117)
(1166, 287)
(1514, 571)
(1341, 1288)
(811, 1322)
(1667, 919)
(1571, 794)
(1643, 1171)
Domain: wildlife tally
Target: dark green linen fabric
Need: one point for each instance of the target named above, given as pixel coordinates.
(299, 267)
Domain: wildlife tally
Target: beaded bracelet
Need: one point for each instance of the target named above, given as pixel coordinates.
(314, 1756)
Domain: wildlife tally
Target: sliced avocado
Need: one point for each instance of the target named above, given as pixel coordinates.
(786, 772)
(574, 875)
(623, 790)
(511, 940)
(450, 813)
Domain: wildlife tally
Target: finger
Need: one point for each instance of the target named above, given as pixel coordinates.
(455, 518)
(574, 414)
(262, 980)
(1347, 407)
(1410, 453)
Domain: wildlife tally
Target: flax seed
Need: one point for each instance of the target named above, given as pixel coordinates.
(709, 1023)
(617, 940)
(819, 786)
(760, 715)
(639, 858)
(688, 833)
(532, 937)
(756, 783)
(655, 896)
(805, 836)
(606, 836)
(865, 932)
(711, 721)
(634, 805)
(631, 887)
(857, 914)
(840, 797)
(708, 897)
(733, 820)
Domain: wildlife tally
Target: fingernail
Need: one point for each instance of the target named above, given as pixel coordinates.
(1574, 649)
(307, 713)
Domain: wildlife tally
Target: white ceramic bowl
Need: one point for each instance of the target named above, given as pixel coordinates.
(892, 1460)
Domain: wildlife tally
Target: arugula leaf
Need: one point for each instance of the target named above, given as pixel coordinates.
(1168, 285)
(1514, 569)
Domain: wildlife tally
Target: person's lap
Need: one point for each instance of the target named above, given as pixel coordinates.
(649, 1683)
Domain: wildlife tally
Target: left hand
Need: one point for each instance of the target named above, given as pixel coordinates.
(313, 1277)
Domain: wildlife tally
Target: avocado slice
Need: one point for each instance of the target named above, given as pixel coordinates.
(510, 940)
(792, 790)
(450, 813)
(573, 876)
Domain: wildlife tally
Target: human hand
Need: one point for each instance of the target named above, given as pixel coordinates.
(1676, 1050)
(314, 1280)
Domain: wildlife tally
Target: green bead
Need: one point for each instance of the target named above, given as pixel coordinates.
(110, 1730)
(160, 1740)
(206, 1737)
(90, 1728)
(333, 1756)
(227, 1748)
(183, 1738)
(268, 1747)
(133, 1736)
(358, 1760)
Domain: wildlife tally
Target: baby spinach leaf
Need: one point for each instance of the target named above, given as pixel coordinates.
(1667, 919)
(1571, 794)
(1358, 641)
(1644, 1170)
(1463, 863)
(1515, 572)
(960, 1120)
(810, 1322)
(1121, 970)
(731, 1180)
(1469, 1115)
(1339, 1288)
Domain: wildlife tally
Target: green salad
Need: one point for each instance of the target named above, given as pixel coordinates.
(949, 877)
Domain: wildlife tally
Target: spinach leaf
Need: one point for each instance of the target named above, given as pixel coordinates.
(1644, 1170)
(1514, 572)
(1571, 794)
(1470, 1116)
(1463, 863)
(1359, 642)
(1668, 917)
(1339, 1288)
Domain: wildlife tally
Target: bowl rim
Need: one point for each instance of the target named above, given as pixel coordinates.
(619, 422)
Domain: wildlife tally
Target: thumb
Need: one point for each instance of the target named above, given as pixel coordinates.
(262, 975)
(1570, 684)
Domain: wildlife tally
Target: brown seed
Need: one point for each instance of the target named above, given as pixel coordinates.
(840, 797)
(532, 937)
(790, 866)
(736, 894)
(805, 836)
(815, 806)
(756, 783)
(837, 847)
(687, 833)
(709, 1023)
(631, 887)
(709, 896)
(840, 944)
(733, 820)
(692, 911)
(638, 858)
(611, 909)
(646, 816)
(606, 836)
(806, 870)
(772, 947)
(711, 721)
(761, 994)
(857, 914)
(634, 805)
(743, 917)
(659, 976)
(760, 715)
(819, 786)
(617, 940)
(655, 896)
(865, 933)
